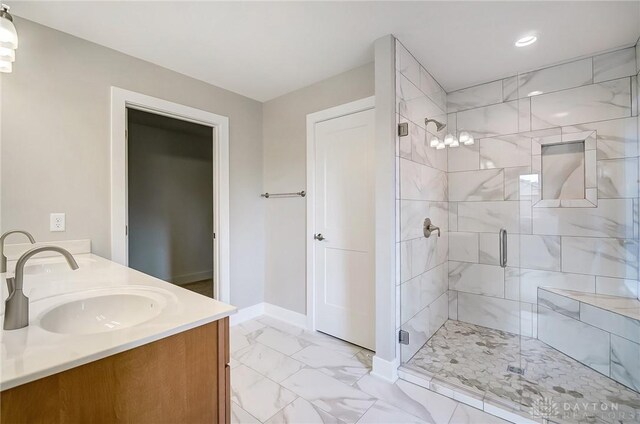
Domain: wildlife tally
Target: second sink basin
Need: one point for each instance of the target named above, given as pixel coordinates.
(102, 313)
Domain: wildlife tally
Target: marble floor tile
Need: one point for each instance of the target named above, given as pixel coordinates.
(240, 416)
(280, 325)
(301, 411)
(249, 327)
(237, 339)
(268, 362)
(384, 413)
(269, 386)
(465, 414)
(280, 341)
(429, 406)
(341, 367)
(332, 343)
(332, 396)
(259, 396)
(243, 377)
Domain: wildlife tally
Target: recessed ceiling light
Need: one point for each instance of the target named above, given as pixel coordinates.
(526, 41)
(534, 93)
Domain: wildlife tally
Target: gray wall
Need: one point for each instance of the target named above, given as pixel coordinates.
(56, 148)
(170, 179)
(285, 138)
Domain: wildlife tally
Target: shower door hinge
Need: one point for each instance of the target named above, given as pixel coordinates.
(403, 129)
(214, 236)
(126, 230)
(515, 370)
(403, 337)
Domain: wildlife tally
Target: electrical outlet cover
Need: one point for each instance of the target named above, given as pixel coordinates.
(57, 222)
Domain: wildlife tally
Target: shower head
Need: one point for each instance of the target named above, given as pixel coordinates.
(439, 125)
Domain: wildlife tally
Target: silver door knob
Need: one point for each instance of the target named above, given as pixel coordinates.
(318, 236)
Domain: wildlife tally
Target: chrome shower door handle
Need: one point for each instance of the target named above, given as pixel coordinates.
(318, 236)
(503, 248)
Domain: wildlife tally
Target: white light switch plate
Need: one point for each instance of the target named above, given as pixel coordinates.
(57, 222)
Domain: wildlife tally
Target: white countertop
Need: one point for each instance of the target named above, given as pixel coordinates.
(32, 352)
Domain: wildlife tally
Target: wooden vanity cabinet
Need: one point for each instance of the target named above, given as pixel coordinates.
(182, 378)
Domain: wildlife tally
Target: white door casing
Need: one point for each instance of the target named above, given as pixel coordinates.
(121, 100)
(341, 296)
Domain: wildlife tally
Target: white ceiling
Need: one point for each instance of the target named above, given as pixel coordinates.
(265, 49)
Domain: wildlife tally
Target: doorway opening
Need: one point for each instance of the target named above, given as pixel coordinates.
(123, 100)
(170, 199)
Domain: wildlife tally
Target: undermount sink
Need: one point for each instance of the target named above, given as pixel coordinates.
(102, 313)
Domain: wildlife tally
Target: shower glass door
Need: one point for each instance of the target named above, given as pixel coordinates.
(575, 272)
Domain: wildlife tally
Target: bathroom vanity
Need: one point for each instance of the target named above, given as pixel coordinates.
(106, 343)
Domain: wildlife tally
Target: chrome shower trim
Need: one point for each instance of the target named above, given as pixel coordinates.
(439, 125)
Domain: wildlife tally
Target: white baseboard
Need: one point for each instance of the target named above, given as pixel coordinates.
(251, 312)
(386, 370)
(192, 278)
(246, 314)
(291, 317)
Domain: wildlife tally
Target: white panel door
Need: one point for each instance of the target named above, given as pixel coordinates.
(344, 217)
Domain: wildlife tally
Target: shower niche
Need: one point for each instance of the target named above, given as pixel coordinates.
(564, 171)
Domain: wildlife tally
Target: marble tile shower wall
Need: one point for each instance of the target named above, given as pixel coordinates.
(591, 249)
(422, 263)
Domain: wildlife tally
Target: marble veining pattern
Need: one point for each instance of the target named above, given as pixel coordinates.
(315, 391)
(555, 78)
(617, 64)
(617, 138)
(489, 121)
(476, 185)
(563, 171)
(474, 359)
(505, 152)
(474, 97)
(600, 256)
(596, 102)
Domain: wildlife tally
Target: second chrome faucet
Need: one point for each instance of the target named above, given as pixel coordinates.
(16, 311)
(3, 258)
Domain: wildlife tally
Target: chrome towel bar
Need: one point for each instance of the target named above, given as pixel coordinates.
(296, 194)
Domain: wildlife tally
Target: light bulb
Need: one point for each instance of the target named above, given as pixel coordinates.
(8, 33)
(464, 136)
(455, 143)
(7, 54)
(5, 67)
(434, 142)
(469, 142)
(448, 139)
(440, 146)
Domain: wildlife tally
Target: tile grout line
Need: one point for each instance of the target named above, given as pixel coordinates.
(247, 412)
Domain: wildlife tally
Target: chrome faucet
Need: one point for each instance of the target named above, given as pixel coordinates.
(3, 258)
(16, 309)
(428, 228)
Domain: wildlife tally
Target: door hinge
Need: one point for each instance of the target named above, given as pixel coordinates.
(515, 370)
(214, 236)
(126, 230)
(403, 129)
(403, 337)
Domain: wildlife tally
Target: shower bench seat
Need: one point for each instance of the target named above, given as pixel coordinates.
(601, 331)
